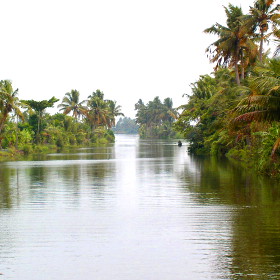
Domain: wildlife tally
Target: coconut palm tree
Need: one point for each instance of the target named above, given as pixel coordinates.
(71, 103)
(9, 102)
(262, 16)
(98, 112)
(114, 110)
(262, 102)
(233, 45)
(171, 113)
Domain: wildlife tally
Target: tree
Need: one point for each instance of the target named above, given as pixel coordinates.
(9, 102)
(233, 45)
(205, 116)
(114, 111)
(39, 108)
(262, 101)
(155, 118)
(98, 112)
(71, 103)
(262, 16)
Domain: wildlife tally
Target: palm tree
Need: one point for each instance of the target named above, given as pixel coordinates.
(277, 35)
(98, 112)
(171, 113)
(70, 103)
(262, 102)
(233, 45)
(115, 111)
(262, 16)
(8, 102)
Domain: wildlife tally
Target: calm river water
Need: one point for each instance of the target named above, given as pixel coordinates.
(136, 210)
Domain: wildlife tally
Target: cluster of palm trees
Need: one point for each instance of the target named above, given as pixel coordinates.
(241, 42)
(96, 110)
(29, 117)
(155, 118)
(236, 109)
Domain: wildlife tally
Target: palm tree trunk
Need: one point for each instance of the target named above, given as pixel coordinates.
(242, 66)
(2, 122)
(236, 73)
(16, 132)
(261, 46)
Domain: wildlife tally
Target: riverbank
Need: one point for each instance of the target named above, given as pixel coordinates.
(13, 153)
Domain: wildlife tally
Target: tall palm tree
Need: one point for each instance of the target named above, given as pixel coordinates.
(171, 113)
(114, 110)
(261, 17)
(233, 44)
(71, 103)
(9, 102)
(98, 112)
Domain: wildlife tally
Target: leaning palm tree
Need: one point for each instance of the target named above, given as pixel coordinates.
(262, 18)
(9, 102)
(233, 45)
(71, 103)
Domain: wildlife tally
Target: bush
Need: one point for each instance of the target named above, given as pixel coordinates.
(27, 149)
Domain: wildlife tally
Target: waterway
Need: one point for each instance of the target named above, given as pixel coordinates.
(136, 210)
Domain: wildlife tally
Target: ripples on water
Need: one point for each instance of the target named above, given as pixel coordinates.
(136, 210)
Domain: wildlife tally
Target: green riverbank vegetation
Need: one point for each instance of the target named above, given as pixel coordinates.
(26, 127)
(156, 118)
(235, 111)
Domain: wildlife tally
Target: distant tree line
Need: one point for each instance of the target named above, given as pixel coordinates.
(126, 126)
(156, 118)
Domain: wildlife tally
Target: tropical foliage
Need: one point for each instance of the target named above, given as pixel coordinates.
(25, 124)
(156, 118)
(234, 111)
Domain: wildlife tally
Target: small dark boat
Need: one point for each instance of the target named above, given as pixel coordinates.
(180, 143)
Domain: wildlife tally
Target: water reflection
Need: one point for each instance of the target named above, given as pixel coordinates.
(136, 210)
(254, 221)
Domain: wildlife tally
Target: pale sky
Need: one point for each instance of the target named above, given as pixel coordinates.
(129, 49)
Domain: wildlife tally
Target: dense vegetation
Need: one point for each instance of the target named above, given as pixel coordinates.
(126, 126)
(25, 125)
(235, 111)
(156, 118)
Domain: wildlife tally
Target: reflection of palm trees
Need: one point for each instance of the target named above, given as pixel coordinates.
(252, 206)
(5, 188)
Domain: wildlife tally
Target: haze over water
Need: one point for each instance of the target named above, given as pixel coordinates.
(136, 210)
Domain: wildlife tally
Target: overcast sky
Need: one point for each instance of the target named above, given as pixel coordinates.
(128, 49)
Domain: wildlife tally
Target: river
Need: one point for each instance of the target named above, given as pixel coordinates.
(136, 210)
